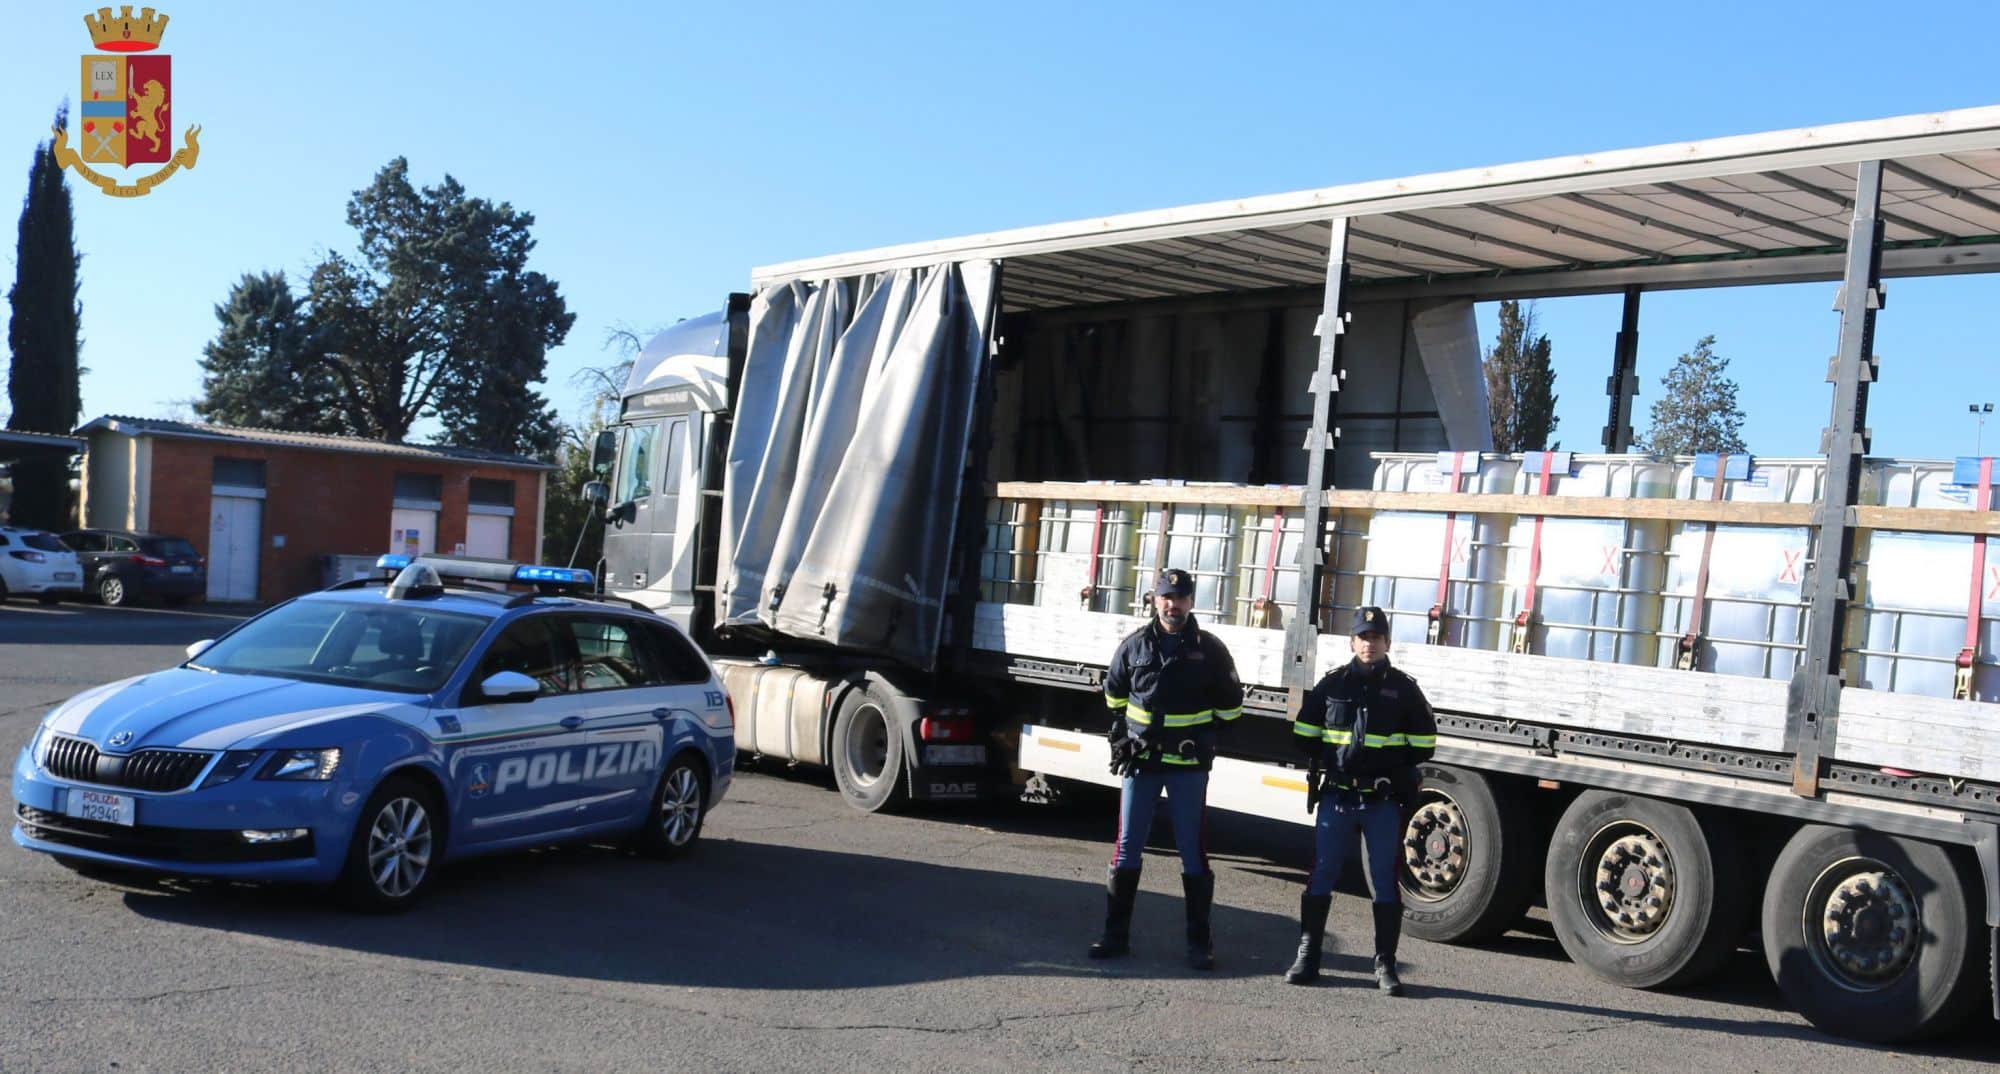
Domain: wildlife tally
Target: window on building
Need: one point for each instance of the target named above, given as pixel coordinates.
(239, 473)
(490, 492)
(420, 488)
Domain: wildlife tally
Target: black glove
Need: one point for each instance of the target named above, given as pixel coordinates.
(1124, 749)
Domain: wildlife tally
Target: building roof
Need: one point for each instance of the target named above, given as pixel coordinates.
(1747, 209)
(23, 438)
(185, 430)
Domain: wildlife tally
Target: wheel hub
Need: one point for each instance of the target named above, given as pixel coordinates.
(1434, 847)
(1635, 886)
(1869, 926)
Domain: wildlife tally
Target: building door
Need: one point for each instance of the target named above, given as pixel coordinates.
(412, 531)
(486, 536)
(235, 529)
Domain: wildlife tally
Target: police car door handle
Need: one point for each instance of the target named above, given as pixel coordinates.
(571, 723)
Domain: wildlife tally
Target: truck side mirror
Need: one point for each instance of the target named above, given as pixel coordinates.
(605, 451)
(596, 492)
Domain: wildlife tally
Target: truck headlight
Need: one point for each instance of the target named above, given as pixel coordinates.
(302, 764)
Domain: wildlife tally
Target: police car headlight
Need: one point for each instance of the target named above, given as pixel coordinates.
(302, 764)
(233, 763)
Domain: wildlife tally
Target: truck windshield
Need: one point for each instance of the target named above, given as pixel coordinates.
(406, 649)
(635, 464)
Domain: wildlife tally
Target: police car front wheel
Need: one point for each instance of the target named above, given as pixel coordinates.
(395, 849)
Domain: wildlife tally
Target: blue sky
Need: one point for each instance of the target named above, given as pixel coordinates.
(667, 149)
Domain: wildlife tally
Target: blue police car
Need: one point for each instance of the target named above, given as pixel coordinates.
(364, 735)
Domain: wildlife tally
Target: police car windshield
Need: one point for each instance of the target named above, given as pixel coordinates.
(378, 647)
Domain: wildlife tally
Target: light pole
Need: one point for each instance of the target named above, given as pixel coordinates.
(1979, 412)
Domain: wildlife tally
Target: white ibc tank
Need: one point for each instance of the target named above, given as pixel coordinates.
(1909, 623)
(1064, 565)
(1755, 609)
(1406, 549)
(1598, 592)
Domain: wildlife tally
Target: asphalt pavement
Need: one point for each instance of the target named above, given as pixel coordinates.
(800, 936)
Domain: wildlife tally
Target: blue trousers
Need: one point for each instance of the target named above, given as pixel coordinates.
(1187, 799)
(1381, 828)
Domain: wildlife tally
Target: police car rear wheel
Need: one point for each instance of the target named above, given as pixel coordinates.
(395, 848)
(679, 804)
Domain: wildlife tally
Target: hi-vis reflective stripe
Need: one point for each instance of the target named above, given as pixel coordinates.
(1335, 737)
(1228, 714)
(1143, 718)
(1175, 758)
(1114, 702)
(1309, 730)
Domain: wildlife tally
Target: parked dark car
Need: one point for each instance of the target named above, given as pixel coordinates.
(124, 567)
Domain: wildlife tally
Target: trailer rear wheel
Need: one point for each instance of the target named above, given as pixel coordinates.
(1641, 892)
(868, 751)
(1470, 864)
(1872, 936)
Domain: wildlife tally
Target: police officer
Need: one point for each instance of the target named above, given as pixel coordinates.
(1366, 726)
(1168, 685)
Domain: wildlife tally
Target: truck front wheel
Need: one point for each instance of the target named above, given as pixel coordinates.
(868, 751)
(1643, 893)
(1870, 936)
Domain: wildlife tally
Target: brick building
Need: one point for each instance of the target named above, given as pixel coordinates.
(267, 507)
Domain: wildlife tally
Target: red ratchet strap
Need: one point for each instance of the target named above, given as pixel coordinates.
(1096, 547)
(1527, 614)
(1690, 643)
(1260, 609)
(1434, 632)
(1962, 680)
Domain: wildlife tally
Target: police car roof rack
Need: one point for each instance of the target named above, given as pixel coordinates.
(524, 599)
(424, 575)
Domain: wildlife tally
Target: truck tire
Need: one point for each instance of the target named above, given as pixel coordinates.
(867, 750)
(1642, 893)
(1468, 849)
(1873, 936)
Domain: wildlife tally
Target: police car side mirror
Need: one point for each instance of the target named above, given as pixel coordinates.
(505, 686)
(200, 647)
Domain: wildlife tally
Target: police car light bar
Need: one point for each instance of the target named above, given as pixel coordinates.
(492, 570)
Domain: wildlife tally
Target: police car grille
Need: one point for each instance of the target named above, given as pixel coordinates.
(146, 770)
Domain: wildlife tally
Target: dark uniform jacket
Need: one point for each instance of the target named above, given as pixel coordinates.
(1170, 689)
(1365, 723)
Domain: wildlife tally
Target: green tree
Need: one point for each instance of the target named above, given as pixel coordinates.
(262, 370)
(438, 315)
(1520, 383)
(45, 336)
(1698, 410)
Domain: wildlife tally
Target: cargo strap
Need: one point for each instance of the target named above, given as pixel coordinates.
(1526, 617)
(1434, 631)
(1962, 678)
(1089, 589)
(1689, 647)
(1261, 608)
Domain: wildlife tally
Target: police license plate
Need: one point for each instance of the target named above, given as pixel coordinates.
(182, 568)
(65, 576)
(101, 806)
(954, 755)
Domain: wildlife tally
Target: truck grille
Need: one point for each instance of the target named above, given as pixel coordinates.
(146, 770)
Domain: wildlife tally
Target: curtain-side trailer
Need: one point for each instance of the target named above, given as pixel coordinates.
(909, 497)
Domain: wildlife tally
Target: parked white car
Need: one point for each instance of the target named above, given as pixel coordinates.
(32, 561)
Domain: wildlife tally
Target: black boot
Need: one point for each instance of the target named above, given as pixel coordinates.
(1121, 887)
(1312, 935)
(1200, 894)
(1388, 930)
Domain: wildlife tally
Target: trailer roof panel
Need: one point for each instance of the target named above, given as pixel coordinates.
(1675, 215)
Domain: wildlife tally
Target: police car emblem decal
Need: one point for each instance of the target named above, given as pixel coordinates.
(482, 781)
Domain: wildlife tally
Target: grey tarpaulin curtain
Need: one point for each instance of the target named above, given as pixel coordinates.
(845, 464)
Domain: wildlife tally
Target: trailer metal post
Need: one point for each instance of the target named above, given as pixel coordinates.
(1813, 702)
(1302, 638)
(969, 532)
(1623, 384)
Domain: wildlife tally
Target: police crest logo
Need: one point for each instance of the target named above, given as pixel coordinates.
(126, 105)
